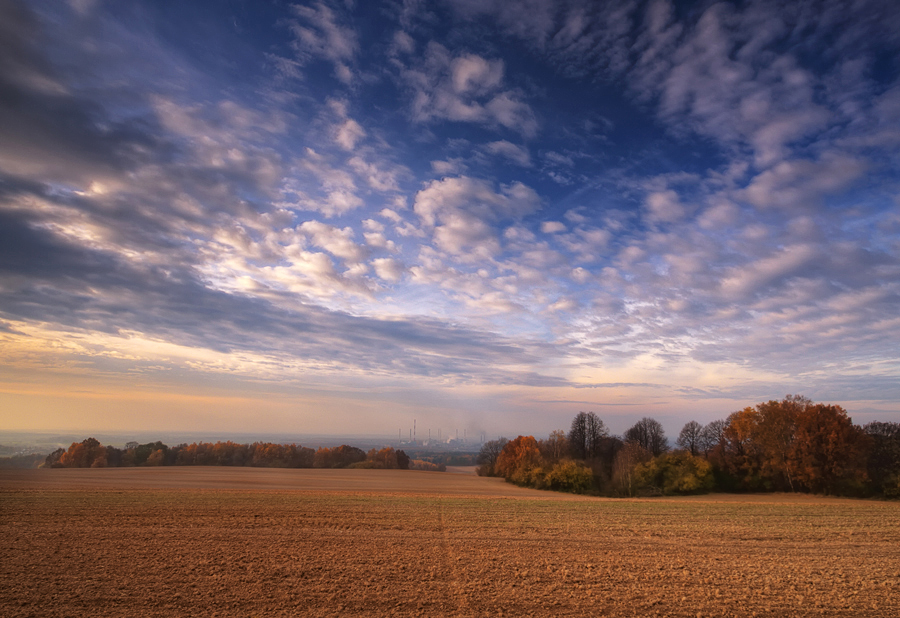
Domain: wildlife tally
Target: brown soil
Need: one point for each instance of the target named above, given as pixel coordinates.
(254, 542)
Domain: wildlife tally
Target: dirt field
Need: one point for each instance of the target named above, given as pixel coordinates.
(254, 542)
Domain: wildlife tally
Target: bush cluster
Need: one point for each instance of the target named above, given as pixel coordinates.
(90, 453)
(792, 445)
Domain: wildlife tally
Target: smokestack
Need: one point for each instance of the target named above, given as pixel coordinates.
(414, 430)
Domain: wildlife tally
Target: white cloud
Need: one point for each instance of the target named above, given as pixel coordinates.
(476, 197)
(664, 207)
(748, 279)
(348, 134)
(388, 269)
(387, 213)
(555, 158)
(449, 167)
(379, 241)
(318, 34)
(338, 193)
(580, 275)
(376, 177)
(552, 227)
(372, 225)
(529, 19)
(463, 212)
(514, 153)
(403, 43)
(336, 241)
(720, 215)
(466, 88)
(801, 182)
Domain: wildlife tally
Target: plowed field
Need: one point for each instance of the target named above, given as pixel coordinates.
(220, 542)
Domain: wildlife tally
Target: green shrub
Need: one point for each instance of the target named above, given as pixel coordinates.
(570, 476)
(674, 473)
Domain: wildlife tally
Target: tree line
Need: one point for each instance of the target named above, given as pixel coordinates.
(792, 445)
(89, 453)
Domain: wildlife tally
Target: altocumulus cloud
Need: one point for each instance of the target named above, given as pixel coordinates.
(686, 206)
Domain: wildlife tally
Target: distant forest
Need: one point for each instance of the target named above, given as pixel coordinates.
(90, 453)
(792, 445)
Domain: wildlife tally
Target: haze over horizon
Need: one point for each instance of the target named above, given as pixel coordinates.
(336, 217)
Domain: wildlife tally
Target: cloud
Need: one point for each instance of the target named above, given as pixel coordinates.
(101, 322)
(334, 240)
(449, 168)
(318, 33)
(803, 183)
(664, 207)
(552, 227)
(338, 192)
(516, 154)
(348, 134)
(555, 158)
(388, 269)
(466, 88)
(463, 213)
(751, 278)
(527, 19)
(376, 175)
(244, 227)
(474, 196)
(48, 130)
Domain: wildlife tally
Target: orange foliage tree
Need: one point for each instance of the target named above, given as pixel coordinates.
(88, 453)
(519, 454)
(829, 451)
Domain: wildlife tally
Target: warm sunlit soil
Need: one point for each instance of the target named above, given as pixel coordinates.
(253, 542)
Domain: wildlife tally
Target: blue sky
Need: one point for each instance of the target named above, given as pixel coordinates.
(337, 217)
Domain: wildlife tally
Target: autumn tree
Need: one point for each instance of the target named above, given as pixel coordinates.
(586, 435)
(518, 455)
(774, 435)
(386, 458)
(52, 460)
(156, 458)
(649, 434)
(829, 450)
(88, 453)
(338, 457)
(690, 438)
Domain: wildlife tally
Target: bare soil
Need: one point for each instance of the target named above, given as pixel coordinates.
(260, 542)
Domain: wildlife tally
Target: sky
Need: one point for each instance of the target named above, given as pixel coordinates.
(484, 215)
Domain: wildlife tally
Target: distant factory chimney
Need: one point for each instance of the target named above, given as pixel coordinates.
(414, 431)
